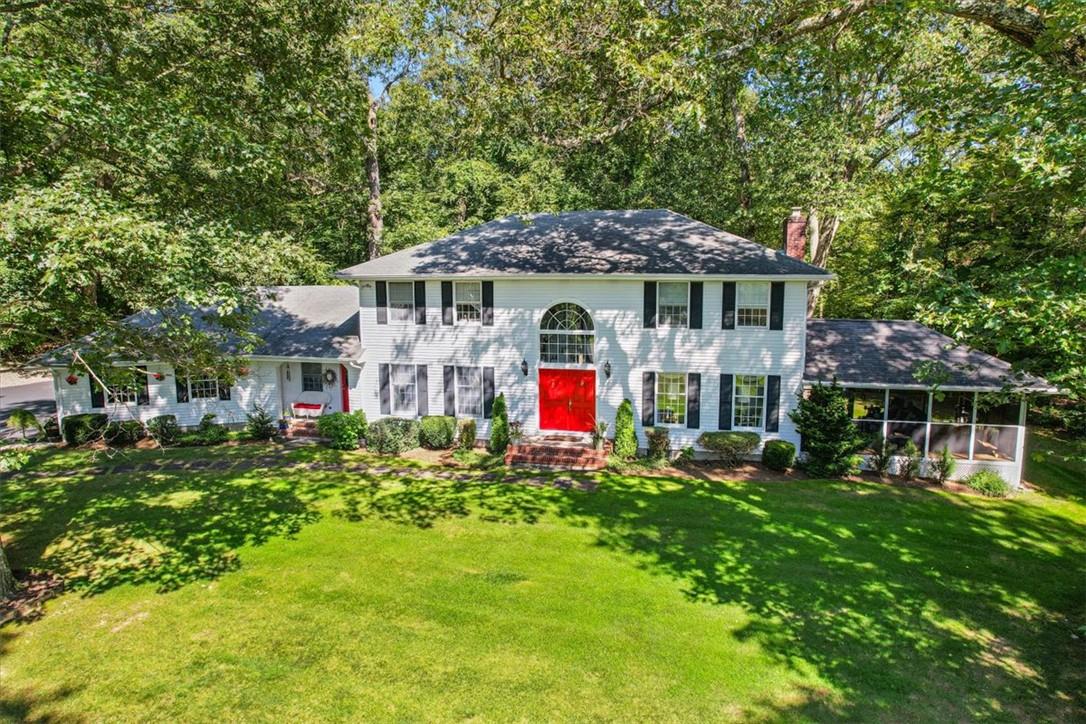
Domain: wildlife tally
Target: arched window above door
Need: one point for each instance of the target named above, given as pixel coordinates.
(566, 335)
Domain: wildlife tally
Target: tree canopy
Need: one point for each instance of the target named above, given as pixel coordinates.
(196, 149)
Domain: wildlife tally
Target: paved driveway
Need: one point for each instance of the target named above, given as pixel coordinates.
(32, 392)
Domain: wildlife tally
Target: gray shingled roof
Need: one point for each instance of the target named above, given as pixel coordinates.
(319, 322)
(887, 352)
(635, 242)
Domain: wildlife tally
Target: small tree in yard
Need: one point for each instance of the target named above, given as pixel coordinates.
(942, 465)
(21, 419)
(830, 439)
(7, 580)
(499, 427)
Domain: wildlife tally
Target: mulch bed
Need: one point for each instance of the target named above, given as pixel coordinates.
(28, 603)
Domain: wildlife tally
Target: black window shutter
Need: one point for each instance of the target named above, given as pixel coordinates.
(772, 403)
(450, 389)
(488, 391)
(386, 399)
(224, 390)
(696, 294)
(420, 302)
(725, 420)
(98, 395)
(728, 320)
(143, 394)
(181, 382)
(693, 400)
(776, 305)
(650, 304)
(648, 399)
(422, 390)
(446, 303)
(382, 303)
(488, 304)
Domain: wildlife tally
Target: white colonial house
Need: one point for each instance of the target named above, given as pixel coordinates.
(569, 314)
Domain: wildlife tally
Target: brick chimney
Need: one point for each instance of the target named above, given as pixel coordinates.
(795, 234)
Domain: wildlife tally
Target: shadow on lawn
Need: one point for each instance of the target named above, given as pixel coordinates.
(908, 603)
(167, 529)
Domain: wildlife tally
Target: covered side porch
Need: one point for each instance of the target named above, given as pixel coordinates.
(906, 382)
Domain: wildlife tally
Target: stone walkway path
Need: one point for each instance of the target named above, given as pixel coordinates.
(273, 462)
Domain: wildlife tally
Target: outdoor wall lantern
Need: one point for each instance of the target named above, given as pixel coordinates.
(607, 368)
(524, 367)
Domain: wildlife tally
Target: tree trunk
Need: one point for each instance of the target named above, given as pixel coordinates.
(376, 223)
(742, 153)
(7, 580)
(821, 244)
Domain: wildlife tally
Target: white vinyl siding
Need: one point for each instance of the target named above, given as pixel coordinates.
(469, 391)
(401, 302)
(749, 403)
(671, 398)
(468, 301)
(402, 384)
(752, 304)
(673, 304)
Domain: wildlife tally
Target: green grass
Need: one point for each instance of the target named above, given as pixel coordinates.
(313, 594)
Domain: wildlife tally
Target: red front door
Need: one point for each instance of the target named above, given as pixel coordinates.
(567, 400)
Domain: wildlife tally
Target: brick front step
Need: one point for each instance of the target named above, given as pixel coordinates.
(302, 428)
(553, 456)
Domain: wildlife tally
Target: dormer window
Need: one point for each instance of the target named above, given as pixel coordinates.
(401, 302)
(752, 304)
(673, 304)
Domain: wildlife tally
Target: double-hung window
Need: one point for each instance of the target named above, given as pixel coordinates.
(469, 301)
(126, 392)
(401, 301)
(752, 304)
(311, 377)
(749, 403)
(404, 395)
(203, 387)
(670, 398)
(469, 391)
(673, 304)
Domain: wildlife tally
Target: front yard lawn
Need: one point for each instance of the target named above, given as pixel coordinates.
(326, 585)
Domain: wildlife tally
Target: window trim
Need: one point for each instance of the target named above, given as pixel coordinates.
(735, 398)
(392, 397)
(456, 304)
(589, 334)
(320, 376)
(192, 382)
(656, 400)
(739, 308)
(410, 317)
(457, 385)
(660, 324)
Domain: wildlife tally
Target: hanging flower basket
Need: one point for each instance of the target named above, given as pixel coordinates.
(71, 379)
(243, 371)
(159, 376)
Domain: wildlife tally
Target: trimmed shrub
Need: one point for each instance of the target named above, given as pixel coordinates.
(625, 435)
(908, 464)
(209, 432)
(128, 432)
(342, 430)
(360, 420)
(164, 428)
(685, 456)
(778, 454)
(830, 439)
(883, 455)
(731, 446)
(437, 432)
(988, 483)
(659, 443)
(465, 439)
(393, 435)
(942, 465)
(259, 425)
(81, 429)
(499, 428)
